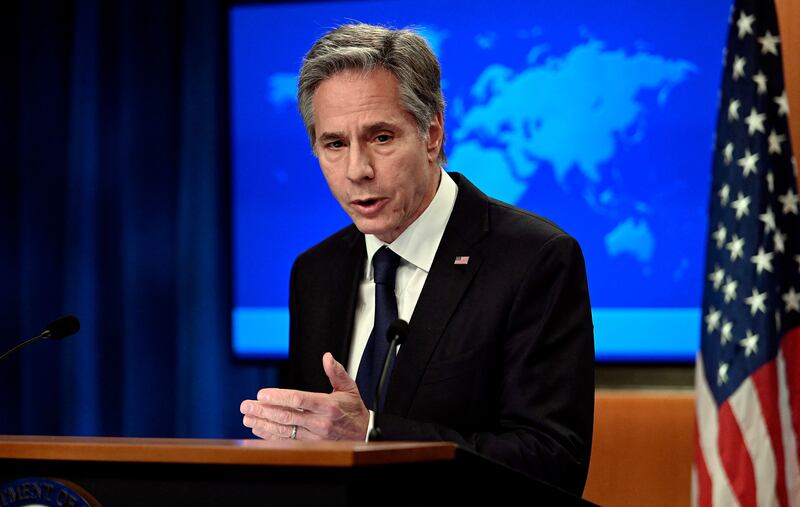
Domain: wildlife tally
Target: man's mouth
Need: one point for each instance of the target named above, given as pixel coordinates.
(369, 205)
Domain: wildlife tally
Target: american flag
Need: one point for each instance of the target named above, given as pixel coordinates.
(748, 367)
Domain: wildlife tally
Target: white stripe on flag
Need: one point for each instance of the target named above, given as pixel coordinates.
(694, 491)
(746, 408)
(791, 468)
(708, 427)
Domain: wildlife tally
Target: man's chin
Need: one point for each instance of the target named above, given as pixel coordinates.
(370, 227)
(379, 229)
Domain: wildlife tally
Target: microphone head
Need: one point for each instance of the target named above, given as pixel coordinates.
(397, 330)
(67, 325)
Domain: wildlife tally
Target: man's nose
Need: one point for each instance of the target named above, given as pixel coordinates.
(359, 163)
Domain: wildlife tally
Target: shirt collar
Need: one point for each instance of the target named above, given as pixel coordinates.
(417, 245)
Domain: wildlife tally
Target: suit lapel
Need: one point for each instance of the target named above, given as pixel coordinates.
(444, 287)
(346, 275)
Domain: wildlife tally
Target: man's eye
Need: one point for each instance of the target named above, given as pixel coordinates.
(334, 144)
(383, 138)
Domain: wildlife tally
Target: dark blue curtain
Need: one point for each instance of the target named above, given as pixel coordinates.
(114, 190)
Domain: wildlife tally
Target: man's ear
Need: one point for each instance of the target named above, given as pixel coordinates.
(435, 137)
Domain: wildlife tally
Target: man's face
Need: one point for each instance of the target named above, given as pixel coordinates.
(377, 165)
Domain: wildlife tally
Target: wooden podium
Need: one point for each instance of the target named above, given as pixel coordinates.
(154, 471)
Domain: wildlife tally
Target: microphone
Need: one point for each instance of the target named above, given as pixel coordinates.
(56, 330)
(396, 334)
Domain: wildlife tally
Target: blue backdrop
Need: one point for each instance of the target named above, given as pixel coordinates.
(114, 207)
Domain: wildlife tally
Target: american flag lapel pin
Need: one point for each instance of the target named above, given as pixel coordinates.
(462, 260)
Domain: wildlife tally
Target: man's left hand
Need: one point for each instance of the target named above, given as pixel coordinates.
(340, 415)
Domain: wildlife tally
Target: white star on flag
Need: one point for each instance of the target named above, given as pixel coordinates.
(770, 182)
(761, 82)
(792, 300)
(720, 234)
(724, 194)
(727, 153)
(717, 277)
(789, 201)
(768, 217)
(722, 374)
(738, 67)
(733, 111)
(755, 121)
(712, 320)
(769, 44)
(762, 260)
(750, 344)
(745, 24)
(775, 141)
(780, 241)
(730, 289)
(783, 103)
(736, 247)
(756, 302)
(741, 205)
(726, 332)
(748, 162)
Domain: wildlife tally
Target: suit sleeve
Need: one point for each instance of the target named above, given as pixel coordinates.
(292, 373)
(546, 395)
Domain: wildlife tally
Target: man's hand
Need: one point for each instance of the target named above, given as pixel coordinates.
(340, 415)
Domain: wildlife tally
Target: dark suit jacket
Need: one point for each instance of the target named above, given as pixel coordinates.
(500, 352)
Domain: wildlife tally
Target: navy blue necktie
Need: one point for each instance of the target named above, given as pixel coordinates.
(384, 268)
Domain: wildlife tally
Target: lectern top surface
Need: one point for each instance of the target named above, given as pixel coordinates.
(218, 451)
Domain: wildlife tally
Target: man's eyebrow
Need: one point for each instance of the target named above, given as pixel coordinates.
(370, 129)
(330, 136)
(381, 125)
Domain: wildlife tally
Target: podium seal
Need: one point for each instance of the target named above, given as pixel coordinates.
(44, 492)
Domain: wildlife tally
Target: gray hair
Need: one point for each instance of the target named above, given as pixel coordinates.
(363, 47)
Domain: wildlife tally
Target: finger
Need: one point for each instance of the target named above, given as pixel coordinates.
(277, 414)
(266, 429)
(321, 425)
(337, 375)
(298, 400)
(304, 434)
(246, 405)
(269, 430)
(252, 407)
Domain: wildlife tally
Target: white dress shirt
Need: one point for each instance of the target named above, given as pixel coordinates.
(416, 247)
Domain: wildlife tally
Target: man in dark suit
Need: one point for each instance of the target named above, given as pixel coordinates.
(499, 355)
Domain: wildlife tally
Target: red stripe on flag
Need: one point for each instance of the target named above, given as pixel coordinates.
(765, 380)
(790, 344)
(735, 457)
(703, 477)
